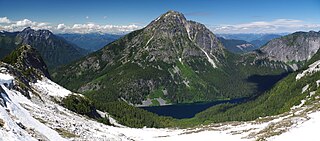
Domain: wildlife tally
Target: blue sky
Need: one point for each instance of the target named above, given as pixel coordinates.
(221, 16)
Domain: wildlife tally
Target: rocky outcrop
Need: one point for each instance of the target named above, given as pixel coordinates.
(28, 60)
(296, 47)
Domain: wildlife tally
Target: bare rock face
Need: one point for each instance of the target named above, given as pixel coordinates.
(296, 47)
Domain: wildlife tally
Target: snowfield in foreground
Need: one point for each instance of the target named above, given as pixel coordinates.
(41, 118)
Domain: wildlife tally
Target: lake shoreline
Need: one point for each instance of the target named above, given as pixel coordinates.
(187, 110)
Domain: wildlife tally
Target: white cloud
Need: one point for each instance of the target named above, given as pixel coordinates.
(61, 26)
(4, 20)
(24, 22)
(91, 27)
(9, 25)
(278, 25)
(19, 25)
(87, 17)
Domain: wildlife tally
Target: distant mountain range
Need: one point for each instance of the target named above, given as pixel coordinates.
(265, 39)
(54, 50)
(91, 41)
(237, 46)
(249, 37)
(241, 43)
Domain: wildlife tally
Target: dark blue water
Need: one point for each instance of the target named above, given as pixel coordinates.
(181, 111)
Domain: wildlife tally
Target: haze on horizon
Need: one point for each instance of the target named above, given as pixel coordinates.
(118, 17)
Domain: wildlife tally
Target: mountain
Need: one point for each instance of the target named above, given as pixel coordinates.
(54, 49)
(172, 60)
(257, 40)
(47, 111)
(237, 46)
(294, 49)
(91, 41)
(251, 36)
(149, 60)
(264, 39)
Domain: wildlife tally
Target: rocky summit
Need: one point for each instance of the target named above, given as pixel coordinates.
(184, 39)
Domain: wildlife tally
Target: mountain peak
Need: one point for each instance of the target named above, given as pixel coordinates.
(171, 13)
(170, 16)
(27, 29)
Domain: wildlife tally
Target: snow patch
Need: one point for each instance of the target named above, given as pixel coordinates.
(158, 18)
(186, 82)
(180, 60)
(305, 88)
(313, 68)
(318, 83)
(47, 87)
(312, 93)
(187, 26)
(111, 120)
(209, 59)
(146, 46)
(300, 105)
(6, 78)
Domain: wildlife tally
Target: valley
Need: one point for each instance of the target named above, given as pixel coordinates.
(155, 70)
(139, 65)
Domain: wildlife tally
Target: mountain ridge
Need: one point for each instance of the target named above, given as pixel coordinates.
(54, 50)
(90, 41)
